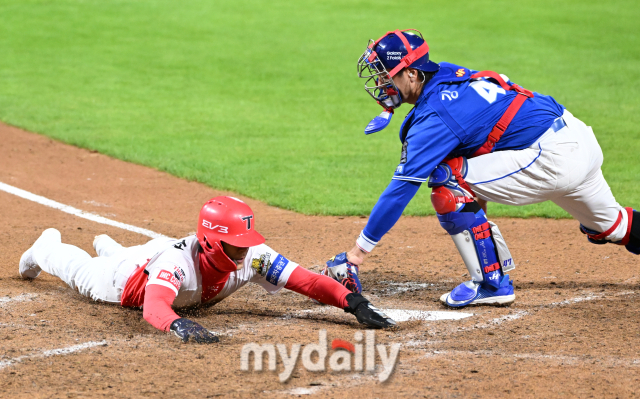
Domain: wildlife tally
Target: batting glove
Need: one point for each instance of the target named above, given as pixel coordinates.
(366, 313)
(185, 329)
(344, 272)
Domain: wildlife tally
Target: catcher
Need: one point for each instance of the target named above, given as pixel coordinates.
(475, 136)
(165, 274)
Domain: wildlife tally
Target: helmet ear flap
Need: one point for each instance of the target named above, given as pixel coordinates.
(207, 246)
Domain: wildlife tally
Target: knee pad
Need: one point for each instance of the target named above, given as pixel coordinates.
(631, 240)
(480, 243)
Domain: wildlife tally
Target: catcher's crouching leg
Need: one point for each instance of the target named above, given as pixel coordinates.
(631, 239)
(479, 241)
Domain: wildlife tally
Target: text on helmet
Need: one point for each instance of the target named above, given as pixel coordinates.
(210, 226)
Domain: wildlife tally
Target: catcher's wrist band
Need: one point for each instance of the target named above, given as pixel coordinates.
(365, 244)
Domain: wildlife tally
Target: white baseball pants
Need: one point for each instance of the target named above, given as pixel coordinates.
(563, 167)
(102, 278)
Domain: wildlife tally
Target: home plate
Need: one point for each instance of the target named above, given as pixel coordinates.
(404, 315)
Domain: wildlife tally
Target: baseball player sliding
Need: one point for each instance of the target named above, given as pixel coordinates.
(225, 254)
(475, 137)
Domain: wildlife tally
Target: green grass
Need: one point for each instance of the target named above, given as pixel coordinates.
(262, 98)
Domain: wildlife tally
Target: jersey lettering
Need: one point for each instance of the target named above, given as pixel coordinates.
(487, 90)
(449, 95)
(180, 245)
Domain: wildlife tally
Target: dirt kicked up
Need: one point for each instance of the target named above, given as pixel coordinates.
(573, 330)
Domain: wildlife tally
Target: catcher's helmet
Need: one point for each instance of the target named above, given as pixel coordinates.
(387, 56)
(230, 220)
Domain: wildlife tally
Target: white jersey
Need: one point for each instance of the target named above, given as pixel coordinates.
(177, 266)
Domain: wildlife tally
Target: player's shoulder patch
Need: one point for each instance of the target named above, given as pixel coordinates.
(262, 263)
(179, 273)
(171, 278)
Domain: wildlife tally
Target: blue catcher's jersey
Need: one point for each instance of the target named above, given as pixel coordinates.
(455, 114)
(453, 117)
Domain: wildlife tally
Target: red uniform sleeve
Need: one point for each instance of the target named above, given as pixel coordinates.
(157, 306)
(321, 288)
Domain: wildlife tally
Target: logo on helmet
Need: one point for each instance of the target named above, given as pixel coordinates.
(210, 226)
(248, 220)
(394, 55)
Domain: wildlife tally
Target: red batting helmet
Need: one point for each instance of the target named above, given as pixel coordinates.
(230, 220)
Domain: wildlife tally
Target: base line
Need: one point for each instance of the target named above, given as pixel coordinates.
(52, 352)
(76, 212)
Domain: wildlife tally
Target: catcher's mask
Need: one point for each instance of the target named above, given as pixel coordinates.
(385, 58)
(230, 220)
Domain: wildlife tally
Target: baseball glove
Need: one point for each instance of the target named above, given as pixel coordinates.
(344, 272)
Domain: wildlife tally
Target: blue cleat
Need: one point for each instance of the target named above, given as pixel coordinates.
(472, 293)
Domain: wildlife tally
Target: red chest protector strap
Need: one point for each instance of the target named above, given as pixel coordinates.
(502, 125)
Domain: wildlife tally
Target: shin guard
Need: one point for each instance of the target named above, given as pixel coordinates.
(479, 241)
(471, 233)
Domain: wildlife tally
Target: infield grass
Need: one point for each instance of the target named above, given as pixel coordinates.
(262, 98)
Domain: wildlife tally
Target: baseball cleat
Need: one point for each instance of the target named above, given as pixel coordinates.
(28, 267)
(472, 293)
(105, 245)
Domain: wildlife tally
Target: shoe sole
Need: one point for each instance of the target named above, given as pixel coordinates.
(494, 300)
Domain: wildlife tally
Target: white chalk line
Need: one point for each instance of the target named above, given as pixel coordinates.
(518, 314)
(76, 212)
(52, 352)
(17, 298)
(604, 361)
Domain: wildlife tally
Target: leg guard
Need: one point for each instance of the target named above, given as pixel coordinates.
(479, 241)
(631, 240)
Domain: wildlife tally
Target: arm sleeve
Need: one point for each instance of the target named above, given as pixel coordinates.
(157, 306)
(389, 207)
(428, 142)
(321, 288)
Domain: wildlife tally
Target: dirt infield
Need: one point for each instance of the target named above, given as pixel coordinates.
(573, 331)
